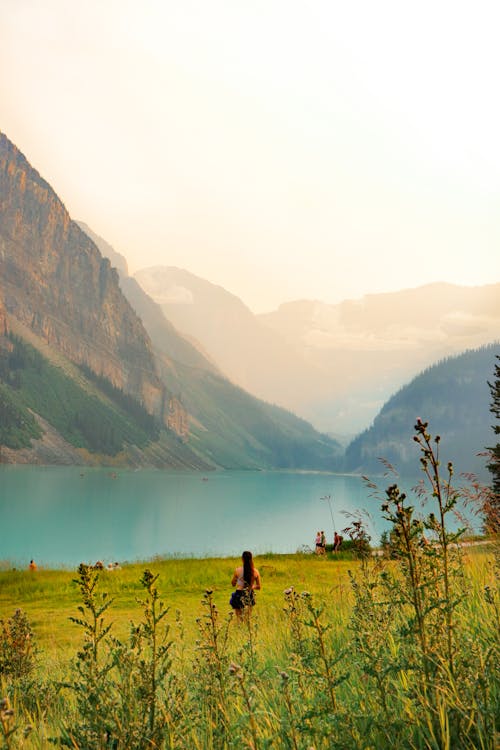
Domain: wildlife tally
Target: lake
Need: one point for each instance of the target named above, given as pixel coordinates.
(61, 516)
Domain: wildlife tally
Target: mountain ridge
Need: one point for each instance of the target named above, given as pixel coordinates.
(344, 360)
(113, 394)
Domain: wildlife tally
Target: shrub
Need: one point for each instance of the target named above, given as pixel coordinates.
(17, 646)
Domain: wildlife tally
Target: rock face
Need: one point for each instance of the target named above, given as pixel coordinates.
(55, 281)
(3, 320)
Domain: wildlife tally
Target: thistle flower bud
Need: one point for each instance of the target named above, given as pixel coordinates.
(234, 668)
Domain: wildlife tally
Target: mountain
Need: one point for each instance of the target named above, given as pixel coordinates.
(117, 260)
(368, 348)
(334, 365)
(454, 397)
(83, 381)
(163, 334)
(246, 351)
(57, 284)
(227, 424)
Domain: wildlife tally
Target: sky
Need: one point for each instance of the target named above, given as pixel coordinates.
(284, 150)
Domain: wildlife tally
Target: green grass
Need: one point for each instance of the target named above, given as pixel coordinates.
(50, 597)
(283, 679)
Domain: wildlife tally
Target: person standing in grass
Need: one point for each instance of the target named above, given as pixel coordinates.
(323, 543)
(337, 542)
(246, 578)
(318, 543)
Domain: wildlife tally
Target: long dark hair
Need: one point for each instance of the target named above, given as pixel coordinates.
(248, 574)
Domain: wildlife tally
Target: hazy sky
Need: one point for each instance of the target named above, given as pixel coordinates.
(315, 149)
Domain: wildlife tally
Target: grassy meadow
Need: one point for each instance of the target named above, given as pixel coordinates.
(311, 668)
(50, 597)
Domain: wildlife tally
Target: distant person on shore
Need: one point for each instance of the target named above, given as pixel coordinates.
(323, 543)
(246, 578)
(337, 542)
(32, 565)
(318, 543)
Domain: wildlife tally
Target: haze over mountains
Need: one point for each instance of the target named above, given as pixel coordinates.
(334, 365)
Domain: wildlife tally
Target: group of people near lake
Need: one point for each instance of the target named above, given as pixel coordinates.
(320, 542)
(111, 566)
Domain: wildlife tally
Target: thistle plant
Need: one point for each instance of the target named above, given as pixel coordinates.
(93, 726)
(247, 694)
(299, 644)
(313, 674)
(446, 499)
(211, 669)
(155, 663)
(8, 726)
(141, 675)
(415, 600)
(91, 621)
(326, 661)
(17, 647)
(372, 625)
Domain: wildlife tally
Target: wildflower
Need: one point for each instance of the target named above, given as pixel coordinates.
(284, 676)
(288, 591)
(234, 668)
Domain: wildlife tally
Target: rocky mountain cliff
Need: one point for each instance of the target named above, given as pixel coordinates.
(56, 282)
(165, 337)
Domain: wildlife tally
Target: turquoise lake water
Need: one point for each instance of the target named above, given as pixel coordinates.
(62, 516)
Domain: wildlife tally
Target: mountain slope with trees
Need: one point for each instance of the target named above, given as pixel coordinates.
(454, 397)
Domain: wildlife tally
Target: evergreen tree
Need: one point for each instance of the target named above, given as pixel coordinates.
(493, 519)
